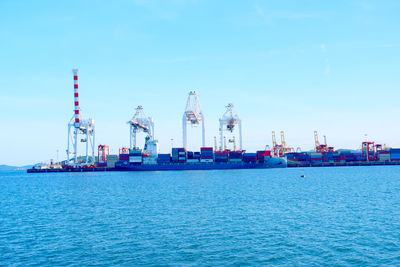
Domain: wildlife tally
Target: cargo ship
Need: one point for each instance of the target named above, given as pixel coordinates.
(206, 159)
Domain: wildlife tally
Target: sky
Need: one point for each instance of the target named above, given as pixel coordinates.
(293, 66)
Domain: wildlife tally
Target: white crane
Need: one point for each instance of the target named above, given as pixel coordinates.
(79, 126)
(227, 123)
(193, 115)
(140, 123)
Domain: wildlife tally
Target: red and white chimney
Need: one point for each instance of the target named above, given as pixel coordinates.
(76, 98)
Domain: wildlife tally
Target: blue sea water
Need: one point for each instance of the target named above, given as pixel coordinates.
(333, 216)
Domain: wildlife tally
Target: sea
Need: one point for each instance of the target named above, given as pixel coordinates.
(330, 216)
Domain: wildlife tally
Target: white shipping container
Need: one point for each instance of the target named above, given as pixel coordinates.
(384, 157)
(135, 159)
(206, 160)
(111, 160)
(235, 160)
(149, 161)
(192, 161)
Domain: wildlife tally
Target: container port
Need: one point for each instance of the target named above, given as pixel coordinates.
(225, 155)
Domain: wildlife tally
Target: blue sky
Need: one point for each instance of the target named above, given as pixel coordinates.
(297, 66)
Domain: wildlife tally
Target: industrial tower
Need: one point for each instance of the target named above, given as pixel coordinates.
(79, 126)
(194, 116)
(140, 123)
(227, 123)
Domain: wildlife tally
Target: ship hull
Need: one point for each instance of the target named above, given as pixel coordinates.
(271, 163)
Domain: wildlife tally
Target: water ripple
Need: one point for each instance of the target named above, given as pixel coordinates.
(336, 216)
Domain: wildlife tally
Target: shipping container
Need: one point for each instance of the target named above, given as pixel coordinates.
(135, 152)
(206, 160)
(384, 157)
(124, 157)
(394, 156)
(135, 159)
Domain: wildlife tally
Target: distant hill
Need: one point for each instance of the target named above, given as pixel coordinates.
(14, 168)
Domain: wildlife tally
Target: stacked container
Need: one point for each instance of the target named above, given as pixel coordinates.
(124, 154)
(383, 155)
(206, 154)
(221, 156)
(235, 156)
(262, 155)
(395, 154)
(178, 155)
(135, 156)
(316, 157)
(351, 156)
(250, 157)
(336, 157)
(111, 160)
(298, 156)
(191, 157)
(328, 157)
(164, 158)
(123, 157)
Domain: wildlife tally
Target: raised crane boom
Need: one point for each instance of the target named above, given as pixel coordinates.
(140, 123)
(193, 115)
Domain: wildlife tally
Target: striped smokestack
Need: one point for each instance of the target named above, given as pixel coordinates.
(76, 98)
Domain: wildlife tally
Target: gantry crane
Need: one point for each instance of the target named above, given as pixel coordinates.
(368, 150)
(140, 123)
(285, 149)
(276, 149)
(192, 115)
(228, 123)
(321, 148)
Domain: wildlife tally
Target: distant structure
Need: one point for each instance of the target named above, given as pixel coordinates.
(277, 150)
(194, 116)
(284, 147)
(322, 148)
(228, 123)
(140, 123)
(80, 127)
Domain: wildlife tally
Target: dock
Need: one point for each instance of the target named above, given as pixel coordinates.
(340, 164)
